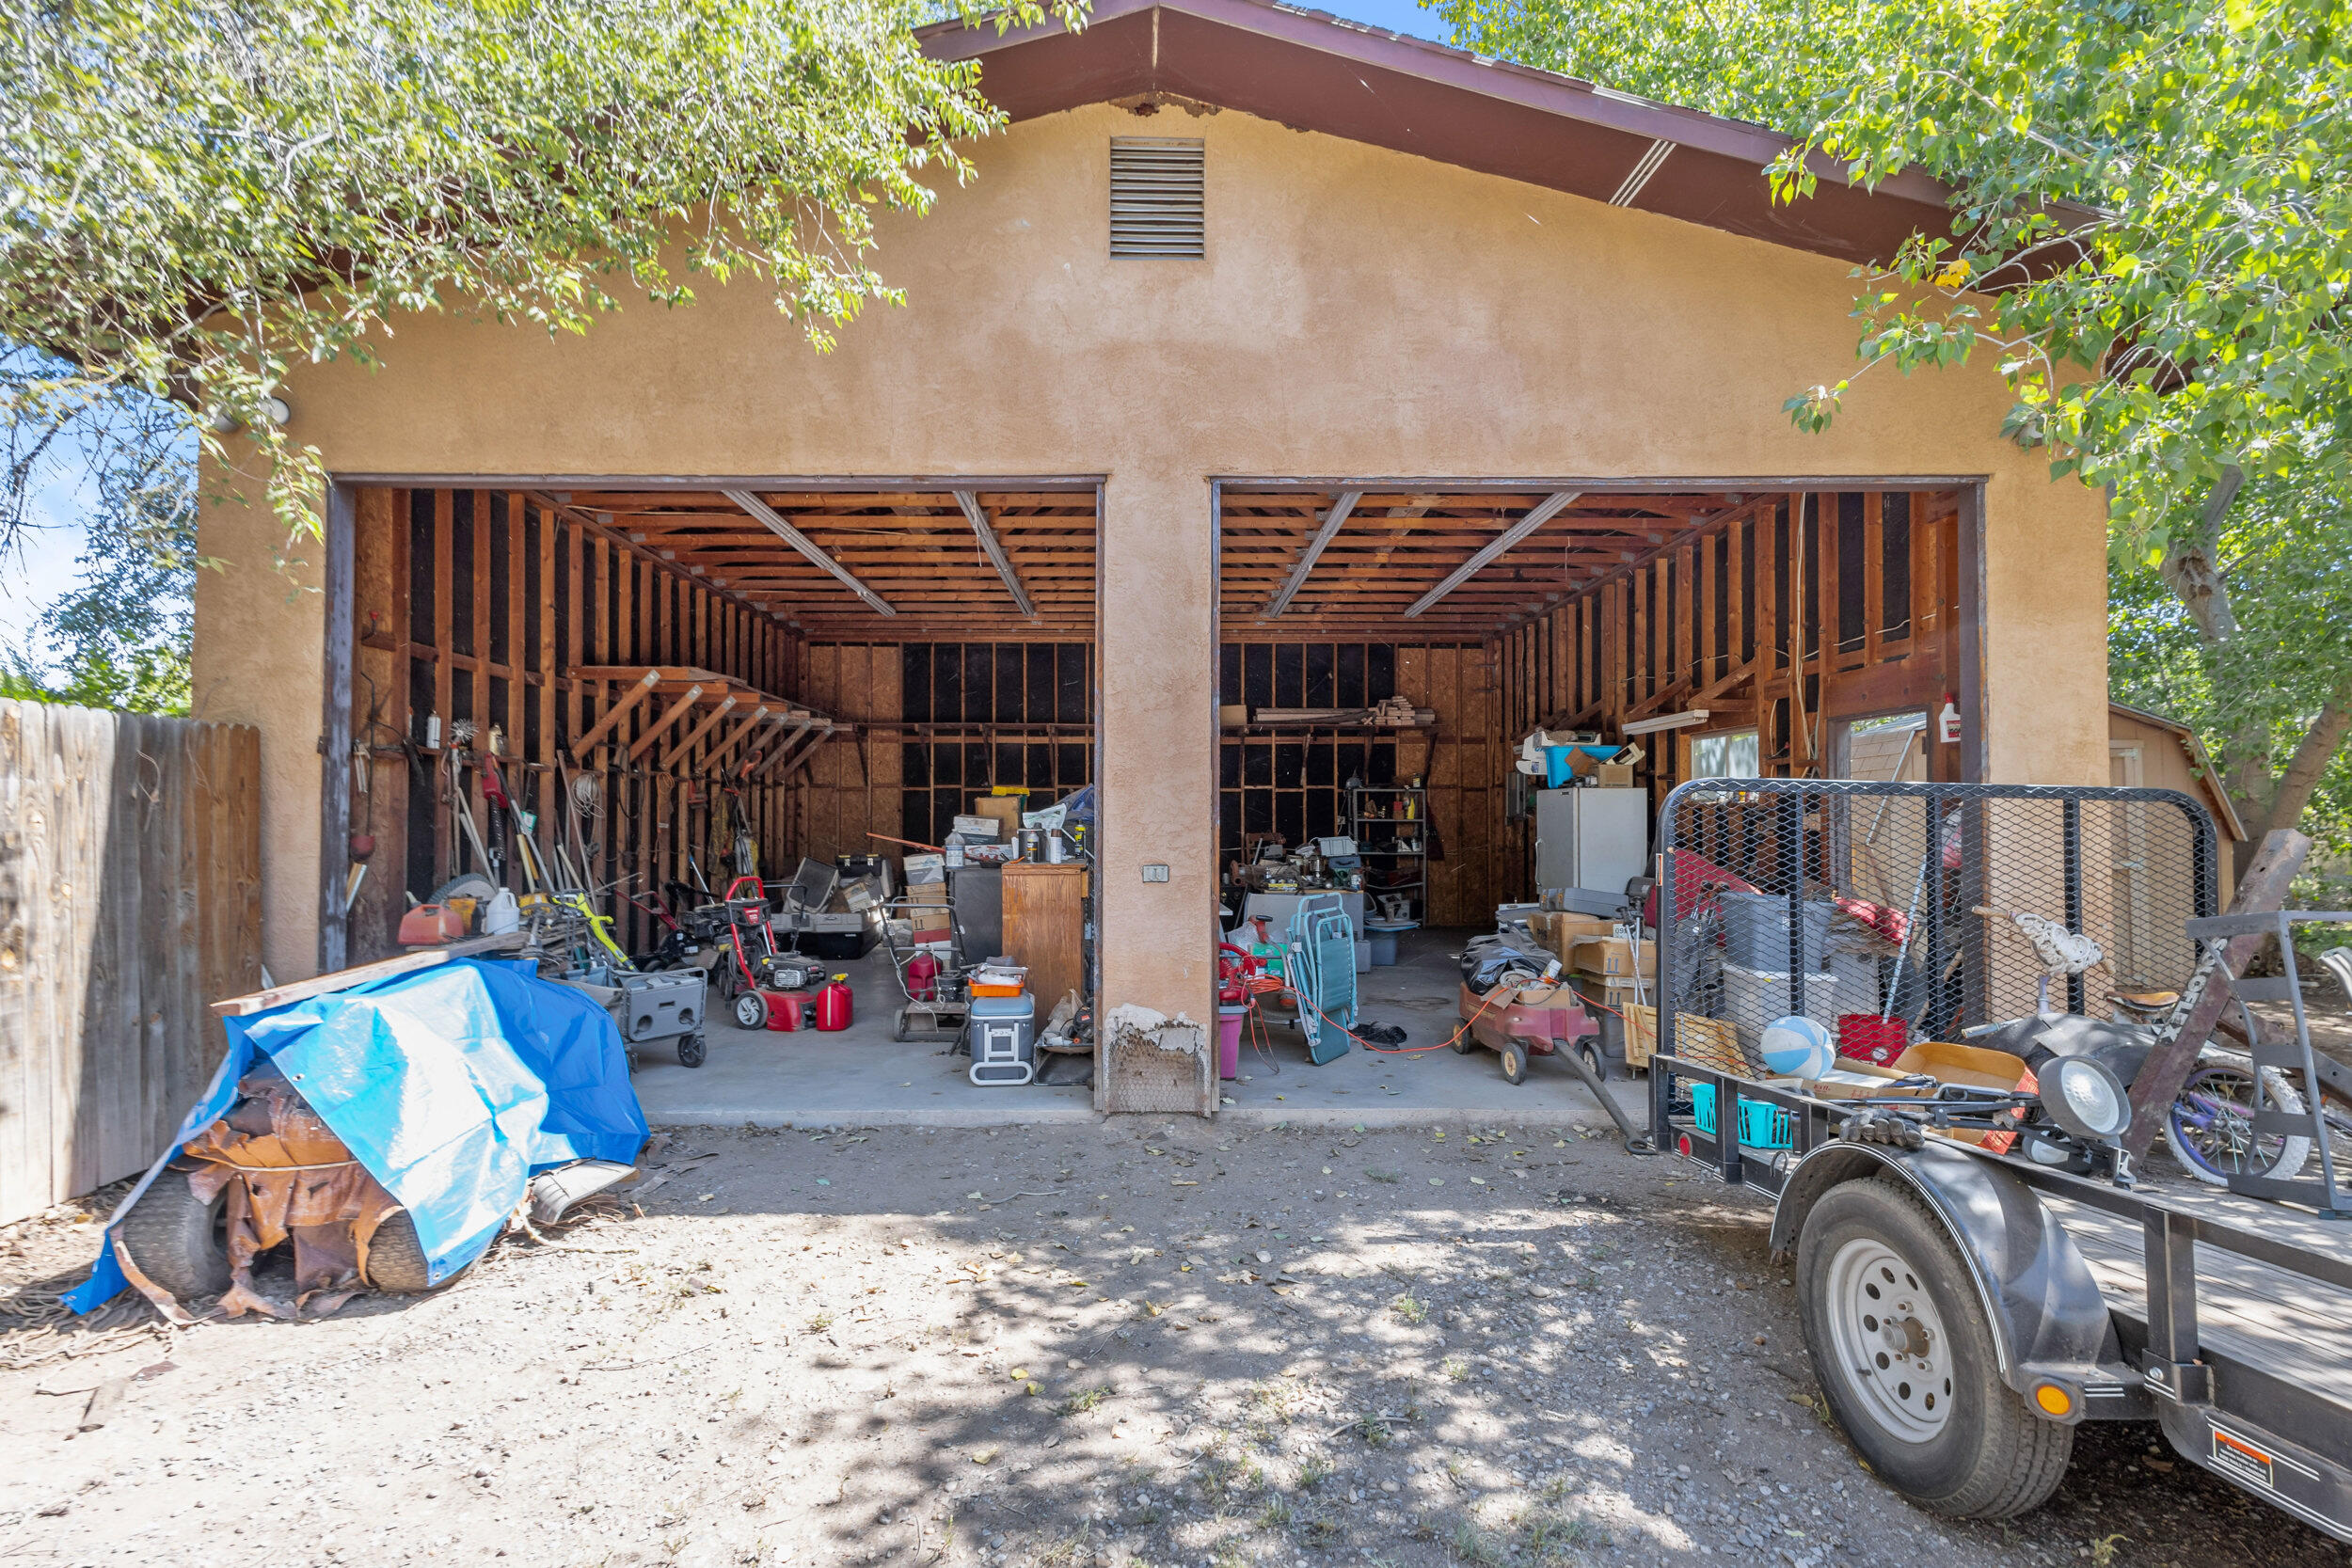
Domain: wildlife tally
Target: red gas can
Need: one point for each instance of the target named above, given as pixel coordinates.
(922, 977)
(835, 1003)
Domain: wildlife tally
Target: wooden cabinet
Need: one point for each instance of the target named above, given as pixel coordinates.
(1045, 928)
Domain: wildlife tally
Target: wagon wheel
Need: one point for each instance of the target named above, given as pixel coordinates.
(1464, 1043)
(1515, 1061)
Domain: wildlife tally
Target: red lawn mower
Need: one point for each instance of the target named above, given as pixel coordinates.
(774, 989)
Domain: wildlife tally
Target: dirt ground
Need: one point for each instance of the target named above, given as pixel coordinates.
(1128, 1343)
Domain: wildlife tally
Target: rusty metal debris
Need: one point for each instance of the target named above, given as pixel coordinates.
(288, 1175)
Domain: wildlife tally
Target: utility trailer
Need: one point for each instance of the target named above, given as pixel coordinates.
(2015, 1302)
(1966, 1309)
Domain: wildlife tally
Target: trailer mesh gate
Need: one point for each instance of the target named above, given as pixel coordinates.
(1893, 913)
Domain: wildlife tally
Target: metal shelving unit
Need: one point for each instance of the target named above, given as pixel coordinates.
(1407, 869)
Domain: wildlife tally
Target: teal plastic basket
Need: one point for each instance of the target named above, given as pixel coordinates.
(1762, 1125)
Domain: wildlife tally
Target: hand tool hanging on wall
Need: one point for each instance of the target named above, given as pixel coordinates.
(501, 799)
(461, 803)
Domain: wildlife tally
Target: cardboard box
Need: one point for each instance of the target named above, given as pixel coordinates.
(1233, 713)
(1946, 1063)
(979, 827)
(1560, 933)
(1613, 775)
(926, 893)
(1004, 809)
(928, 919)
(1612, 956)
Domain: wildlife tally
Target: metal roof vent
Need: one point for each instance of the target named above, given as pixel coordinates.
(1156, 201)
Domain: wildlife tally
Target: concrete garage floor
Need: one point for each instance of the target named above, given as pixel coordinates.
(860, 1077)
(1419, 993)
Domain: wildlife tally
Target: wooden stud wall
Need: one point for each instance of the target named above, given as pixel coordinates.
(1461, 761)
(1709, 619)
(891, 777)
(476, 605)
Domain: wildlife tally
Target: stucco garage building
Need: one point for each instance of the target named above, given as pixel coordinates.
(1248, 305)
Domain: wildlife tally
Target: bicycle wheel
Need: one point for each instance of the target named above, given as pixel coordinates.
(2210, 1128)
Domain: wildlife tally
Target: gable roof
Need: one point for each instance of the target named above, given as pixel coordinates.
(2224, 815)
(1317, 72)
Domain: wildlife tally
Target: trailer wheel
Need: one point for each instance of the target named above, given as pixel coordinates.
(1514, 1062)
(178, 1240)
(1901, 1346)
(751, 1010)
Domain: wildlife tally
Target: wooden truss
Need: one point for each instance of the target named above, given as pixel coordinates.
(762, 731)
(915, 565)
(1431, 567)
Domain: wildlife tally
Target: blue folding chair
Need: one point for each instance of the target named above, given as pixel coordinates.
(1322, 972)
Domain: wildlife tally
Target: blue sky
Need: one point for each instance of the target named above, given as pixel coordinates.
(43, 568)
(1397, 16)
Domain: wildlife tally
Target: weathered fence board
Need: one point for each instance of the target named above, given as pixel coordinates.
(129, 897)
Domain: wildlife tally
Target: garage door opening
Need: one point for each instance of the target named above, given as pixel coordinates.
(1443, 706)
(635, 699)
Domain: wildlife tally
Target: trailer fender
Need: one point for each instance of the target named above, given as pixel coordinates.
(2049, 1322)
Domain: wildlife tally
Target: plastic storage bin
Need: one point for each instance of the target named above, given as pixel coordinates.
(1755, 930)
(1762, 1124)
(1756, 997)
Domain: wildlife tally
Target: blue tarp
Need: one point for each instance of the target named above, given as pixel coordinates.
(453, 1086)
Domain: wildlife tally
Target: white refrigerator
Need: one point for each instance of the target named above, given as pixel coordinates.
(1591, 838)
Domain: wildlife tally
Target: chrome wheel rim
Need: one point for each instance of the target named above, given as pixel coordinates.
(1890, 1341)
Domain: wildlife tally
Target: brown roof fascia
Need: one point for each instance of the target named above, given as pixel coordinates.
(1317, 72)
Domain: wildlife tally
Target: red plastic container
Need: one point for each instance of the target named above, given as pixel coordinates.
(1868, 1038)
(836, 1005)
(922, 977)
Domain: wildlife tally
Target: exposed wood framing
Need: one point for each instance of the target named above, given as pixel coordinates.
(1332, 521)
(533, 616)
(780, 527)
(978, 516)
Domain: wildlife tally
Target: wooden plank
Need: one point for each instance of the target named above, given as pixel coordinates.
(1873, 574)
(686, 743)
(630, 696)
(344, 980)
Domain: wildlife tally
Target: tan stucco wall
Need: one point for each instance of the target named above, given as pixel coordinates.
(1360, 312)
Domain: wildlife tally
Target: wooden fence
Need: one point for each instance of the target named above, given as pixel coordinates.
(129, 897)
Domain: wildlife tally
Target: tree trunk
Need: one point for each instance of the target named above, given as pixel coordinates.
(2285, 808)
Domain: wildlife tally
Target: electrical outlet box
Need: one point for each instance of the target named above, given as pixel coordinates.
(1155, 874)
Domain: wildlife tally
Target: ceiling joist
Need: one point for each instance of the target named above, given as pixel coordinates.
(994, 551)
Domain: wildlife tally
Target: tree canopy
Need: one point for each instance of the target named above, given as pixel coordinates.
(2152, 232)
(203, 193)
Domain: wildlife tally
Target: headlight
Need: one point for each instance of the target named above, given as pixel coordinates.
(2086, 1099)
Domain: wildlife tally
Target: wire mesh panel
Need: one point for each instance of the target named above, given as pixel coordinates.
(1892, 913)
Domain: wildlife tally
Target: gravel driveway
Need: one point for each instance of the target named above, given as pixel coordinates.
(1127, 1343)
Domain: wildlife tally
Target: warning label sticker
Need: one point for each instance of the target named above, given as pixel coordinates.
(2236, 1457)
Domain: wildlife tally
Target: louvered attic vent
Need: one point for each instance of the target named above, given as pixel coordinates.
(1156, 197)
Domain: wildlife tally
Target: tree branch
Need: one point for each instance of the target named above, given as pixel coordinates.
(2192, 568)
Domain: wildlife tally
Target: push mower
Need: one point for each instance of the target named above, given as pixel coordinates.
(764, 979)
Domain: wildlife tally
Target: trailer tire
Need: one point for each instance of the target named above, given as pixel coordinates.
(1957, 1441)
(176, 1240)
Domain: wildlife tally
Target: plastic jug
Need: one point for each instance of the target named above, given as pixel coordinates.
(835, 1003)
(501, 913)
(922, 977)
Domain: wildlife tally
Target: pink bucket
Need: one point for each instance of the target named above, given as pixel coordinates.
(1228, 1022)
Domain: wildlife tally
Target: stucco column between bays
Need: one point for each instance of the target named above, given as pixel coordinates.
(1156, 669)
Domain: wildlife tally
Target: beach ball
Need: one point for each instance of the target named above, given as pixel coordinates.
(1796, 1048)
